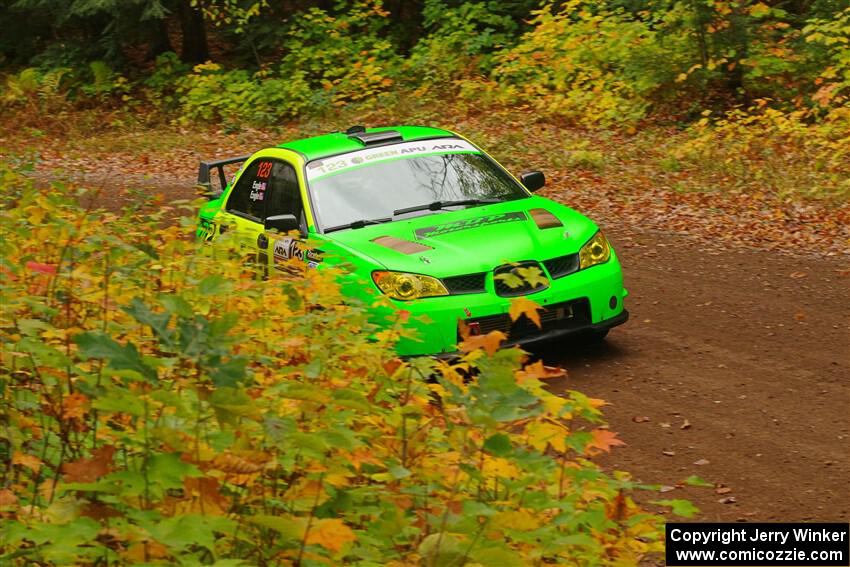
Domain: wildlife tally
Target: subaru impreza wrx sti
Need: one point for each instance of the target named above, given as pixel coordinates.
(428, 219)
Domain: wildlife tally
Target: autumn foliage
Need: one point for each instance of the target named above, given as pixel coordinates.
(164, 405)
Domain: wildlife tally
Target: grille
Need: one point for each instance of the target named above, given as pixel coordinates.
(565, 315)
(504, 290)
(467, 283)
(562, 265)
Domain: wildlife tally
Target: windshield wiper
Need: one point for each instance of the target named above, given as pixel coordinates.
(358, 224)
(438, 205)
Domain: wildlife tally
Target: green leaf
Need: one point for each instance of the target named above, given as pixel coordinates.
(229, 374)
(287, 527)
(176, 305)
(192, 529)
(498, 444)
(156, 321)
(497, 557)
(694, 480)
(126, 357)
(168, 470)
(398, 471)
(117, 400)
(683, 508)
(214, 285)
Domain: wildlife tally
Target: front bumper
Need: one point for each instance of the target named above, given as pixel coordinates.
(587, 300)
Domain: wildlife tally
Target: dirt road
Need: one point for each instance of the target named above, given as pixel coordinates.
(735, 367)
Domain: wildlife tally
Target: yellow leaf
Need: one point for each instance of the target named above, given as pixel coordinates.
(524, 306)
(544, 433)
(489, 342)
(331, 534)
(760, 9)
(499, 467)
(520, 520)
(532, 276)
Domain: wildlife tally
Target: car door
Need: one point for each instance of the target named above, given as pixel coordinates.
(284, 197)
(245, 208)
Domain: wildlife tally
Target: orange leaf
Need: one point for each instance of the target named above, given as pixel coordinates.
(539, 371)
(32, 463)
(41, 268)
(74, 405)
(91, 469)
(489, 342)
(524, 306)
(202, 495)
(617, 509)
(7, 498)
(603, 440)
(392, 365)
(331, 534)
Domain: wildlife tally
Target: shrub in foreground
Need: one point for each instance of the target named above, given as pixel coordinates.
(162, 405)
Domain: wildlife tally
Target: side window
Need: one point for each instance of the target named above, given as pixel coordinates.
(249, 195)
(284, 192)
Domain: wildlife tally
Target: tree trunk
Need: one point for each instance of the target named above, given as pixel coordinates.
(194, 49)
(159, 41)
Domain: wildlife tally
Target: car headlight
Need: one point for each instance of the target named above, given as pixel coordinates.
(595, 251)
(404, 286)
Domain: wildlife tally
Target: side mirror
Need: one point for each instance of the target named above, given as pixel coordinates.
(532, 180)
(282, 223)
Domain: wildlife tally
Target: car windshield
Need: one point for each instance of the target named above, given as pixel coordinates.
(354, 190)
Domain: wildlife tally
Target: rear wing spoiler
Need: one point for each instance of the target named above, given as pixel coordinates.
(205, 169)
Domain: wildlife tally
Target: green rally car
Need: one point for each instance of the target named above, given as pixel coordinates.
(428, 219)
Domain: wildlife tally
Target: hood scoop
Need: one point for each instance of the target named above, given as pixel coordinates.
(400, 245)
(544, 219)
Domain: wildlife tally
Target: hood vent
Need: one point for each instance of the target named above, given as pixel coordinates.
(544, 219)
(400, 245)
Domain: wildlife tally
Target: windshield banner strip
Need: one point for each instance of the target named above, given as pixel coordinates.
(337, 164)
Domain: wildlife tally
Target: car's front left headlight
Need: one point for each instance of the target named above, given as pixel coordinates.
(405, 286)
(595, 251)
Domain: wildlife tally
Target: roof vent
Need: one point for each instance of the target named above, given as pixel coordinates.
(377, 138)
(356, 130)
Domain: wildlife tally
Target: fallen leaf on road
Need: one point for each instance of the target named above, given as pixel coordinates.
(640, 419)
(701, 462)
(728, 500)
(798, 275)
(694, 480)
(669, 453)
(723, 490)
(666, 488)
(664, 424)
(686, 425)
